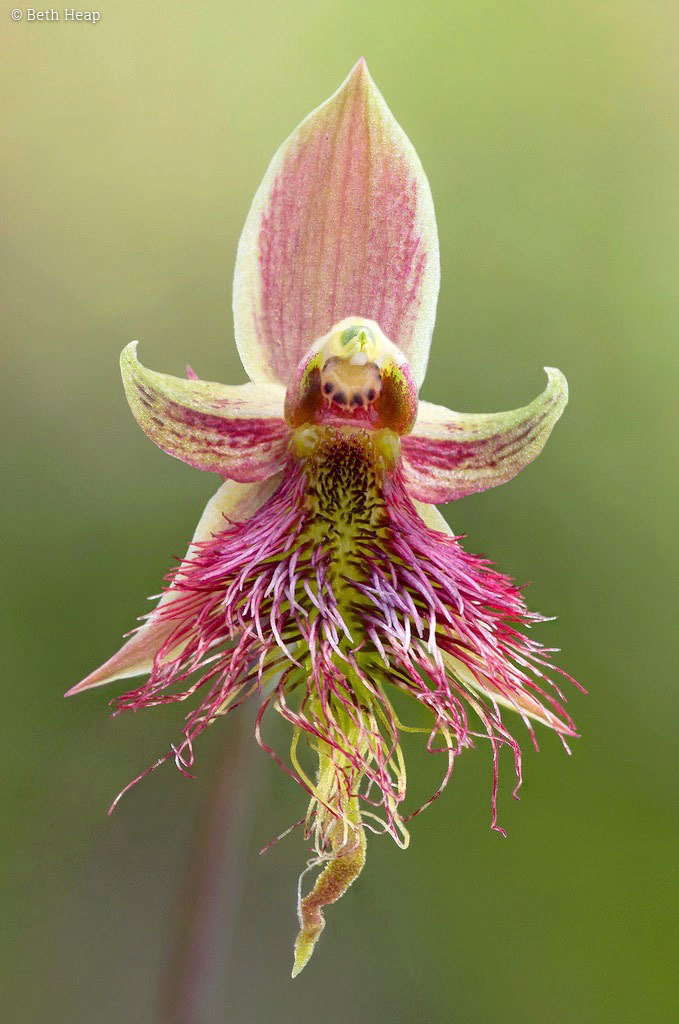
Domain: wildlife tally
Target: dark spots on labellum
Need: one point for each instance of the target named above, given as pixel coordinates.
(346, 492)
(340, 398)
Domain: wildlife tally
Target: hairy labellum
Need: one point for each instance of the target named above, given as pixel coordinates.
(331, 597)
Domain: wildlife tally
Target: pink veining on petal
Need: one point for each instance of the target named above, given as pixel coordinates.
(241, 447)
(340, 233)
(438, 469)
(449, 455)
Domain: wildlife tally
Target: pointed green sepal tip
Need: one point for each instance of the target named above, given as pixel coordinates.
(343, 868)
(304, 947)
(557, 385)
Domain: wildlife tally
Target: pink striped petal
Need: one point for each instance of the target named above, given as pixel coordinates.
(238, 432)
(342, 225)
(233, 501)
(451, 454)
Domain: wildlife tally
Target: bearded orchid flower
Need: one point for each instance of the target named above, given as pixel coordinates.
(321, 576)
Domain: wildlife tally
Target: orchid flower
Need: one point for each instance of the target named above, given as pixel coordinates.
(322, 579)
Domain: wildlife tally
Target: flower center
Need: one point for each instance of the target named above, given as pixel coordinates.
(354, 374)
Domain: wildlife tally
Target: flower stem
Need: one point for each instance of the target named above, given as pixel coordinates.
(209, 906)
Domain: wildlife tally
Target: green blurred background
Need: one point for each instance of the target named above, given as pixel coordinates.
(131, 151)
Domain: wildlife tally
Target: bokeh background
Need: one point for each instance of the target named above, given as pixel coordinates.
(131, 150)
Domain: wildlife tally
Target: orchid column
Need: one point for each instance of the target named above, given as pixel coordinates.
(322, 577)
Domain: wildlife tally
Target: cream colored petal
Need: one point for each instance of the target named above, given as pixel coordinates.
(238, 431)
(432, 517)
(232, 501)
(451, 454)
(522, 702)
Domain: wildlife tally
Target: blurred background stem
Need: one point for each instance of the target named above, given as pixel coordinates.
(200, 954)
